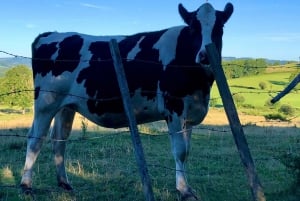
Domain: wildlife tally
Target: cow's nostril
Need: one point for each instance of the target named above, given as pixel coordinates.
(203, 57)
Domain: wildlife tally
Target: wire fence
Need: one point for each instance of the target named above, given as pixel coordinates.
(212, 146)
(217, 136)
(137, 60)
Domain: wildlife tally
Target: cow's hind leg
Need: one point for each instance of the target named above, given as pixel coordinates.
(36, 136)
(180, 134)
(61, 130)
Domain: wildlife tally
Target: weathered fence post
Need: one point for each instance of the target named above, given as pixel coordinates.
(293, 83)
(138, 149)
(235, 124)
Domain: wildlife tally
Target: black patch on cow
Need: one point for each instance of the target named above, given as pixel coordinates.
(180, 81)
(67, 60)
(68, 55)
(217, 32)
(100, 81)
(41, 62)
(100, 78)
(145, 70)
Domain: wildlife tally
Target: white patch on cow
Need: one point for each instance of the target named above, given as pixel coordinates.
(207, 17)
(166, 45)
(58, 37)
(132, 54)
(53, 37)
(85, 54)
(160, 99)
(55, 55)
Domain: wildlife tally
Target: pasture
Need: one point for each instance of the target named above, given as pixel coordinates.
(257, 98)
(101, 164)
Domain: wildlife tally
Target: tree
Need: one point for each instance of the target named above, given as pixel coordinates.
(244, 67)
(16, 87)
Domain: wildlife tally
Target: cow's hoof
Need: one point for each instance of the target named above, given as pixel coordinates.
(188, 195)
(65, 186)
(26, 189)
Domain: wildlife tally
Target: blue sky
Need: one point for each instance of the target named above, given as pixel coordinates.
(259, 29)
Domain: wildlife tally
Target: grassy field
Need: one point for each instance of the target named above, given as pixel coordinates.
(102, 166)
(255, 97)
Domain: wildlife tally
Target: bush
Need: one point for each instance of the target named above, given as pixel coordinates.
(248, 106)
(277, 116)
(213, 102)
(262, 85)
(272, 105)
(286, 109)
(238, 99)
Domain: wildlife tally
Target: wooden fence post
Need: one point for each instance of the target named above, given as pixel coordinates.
(235, 124)
(138, 149)
(293, 83)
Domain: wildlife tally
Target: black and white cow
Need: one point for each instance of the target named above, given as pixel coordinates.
(167, 73)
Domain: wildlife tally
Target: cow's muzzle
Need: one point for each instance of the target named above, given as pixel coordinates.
(202, 58)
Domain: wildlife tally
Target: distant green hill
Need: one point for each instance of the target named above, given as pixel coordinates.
(9, 62)
(276, 79)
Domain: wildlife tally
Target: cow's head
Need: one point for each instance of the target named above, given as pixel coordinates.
(208, 24)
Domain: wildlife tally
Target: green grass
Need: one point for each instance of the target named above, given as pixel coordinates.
(103, 167)
(249, 88)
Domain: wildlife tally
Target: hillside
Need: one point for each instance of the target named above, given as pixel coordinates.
(255, 100)
(13, 61)
(8, 62)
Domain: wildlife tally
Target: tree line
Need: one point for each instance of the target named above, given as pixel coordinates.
(244, 67)
(16, 88)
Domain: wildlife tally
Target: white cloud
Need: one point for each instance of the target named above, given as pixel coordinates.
(30, 26)
(88, 5)
(283, 37)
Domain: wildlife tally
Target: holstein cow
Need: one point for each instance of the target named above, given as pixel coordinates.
(168, 78)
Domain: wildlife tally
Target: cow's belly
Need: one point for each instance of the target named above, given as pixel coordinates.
(144, 111)
(119, 120)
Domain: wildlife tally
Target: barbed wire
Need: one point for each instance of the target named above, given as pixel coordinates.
(152, 164)
(137, 60)
(144, 92)
(148, 92)
(118, 97)
(250, 66)
(224, 129)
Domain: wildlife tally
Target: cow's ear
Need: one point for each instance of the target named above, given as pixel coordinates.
(228, 10)
(185, 15)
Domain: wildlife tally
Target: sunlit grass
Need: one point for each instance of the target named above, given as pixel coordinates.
(103, 167)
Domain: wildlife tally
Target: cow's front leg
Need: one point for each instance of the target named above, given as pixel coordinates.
(35, 140)
(180, 134)
(60, 133)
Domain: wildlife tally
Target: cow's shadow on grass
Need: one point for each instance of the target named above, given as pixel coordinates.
(242, 87)
(13, 111)
(10, 111)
